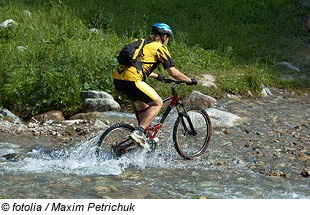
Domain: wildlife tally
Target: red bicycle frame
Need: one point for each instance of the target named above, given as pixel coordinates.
(153, 130)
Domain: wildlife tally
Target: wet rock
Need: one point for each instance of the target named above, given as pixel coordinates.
(227, 143)
(33, 125)
(228, 131)
(131, 175)
(221, 163)
(56, 116)
(251, 159)
(305, 172)
(259, 154)
(277, 173)
(240, 162)
(87, 116)
(303, 157)
(6, 113)
(233, 97)
(98, 101)
(266, 91)
(100, 105)
(195, 174)
(74, 122)
(65, 138)
(100, 124)
(247, 145)
(95, 95)
(14, 157)
(36, 133)
(199, 99)
(222, 118)
(21, 128)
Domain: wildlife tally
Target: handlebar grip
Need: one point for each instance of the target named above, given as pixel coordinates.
(193, 82)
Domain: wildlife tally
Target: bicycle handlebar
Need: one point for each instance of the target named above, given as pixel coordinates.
(168, 80)
(176, 83)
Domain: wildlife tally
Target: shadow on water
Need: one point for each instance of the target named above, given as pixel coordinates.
(76, 172)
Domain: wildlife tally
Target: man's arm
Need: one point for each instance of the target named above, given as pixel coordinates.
(176, 74)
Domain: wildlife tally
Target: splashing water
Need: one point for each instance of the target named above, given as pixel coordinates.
(163, 173)
(82, 160)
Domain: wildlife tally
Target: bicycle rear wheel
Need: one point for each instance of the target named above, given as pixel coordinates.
(192, 132)
(115, 140)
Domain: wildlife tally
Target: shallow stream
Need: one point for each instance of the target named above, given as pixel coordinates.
(264, 157)
(75, 172)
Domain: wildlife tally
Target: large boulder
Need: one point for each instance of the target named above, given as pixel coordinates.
(199, 99)
(95, 95)
(218, 118)
(100, 105)
(8, 114)
(55, 116)
(222, 118)
(98, 101)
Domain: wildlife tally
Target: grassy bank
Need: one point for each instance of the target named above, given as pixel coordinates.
(50, 55)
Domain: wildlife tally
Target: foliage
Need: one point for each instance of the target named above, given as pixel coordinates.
(48, 58)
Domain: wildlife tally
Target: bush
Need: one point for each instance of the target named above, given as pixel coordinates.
(51, 56)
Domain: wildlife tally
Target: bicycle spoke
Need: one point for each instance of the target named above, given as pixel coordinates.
(192, 133)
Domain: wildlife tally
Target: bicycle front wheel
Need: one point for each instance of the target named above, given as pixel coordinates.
(115, 140)
(192, 132)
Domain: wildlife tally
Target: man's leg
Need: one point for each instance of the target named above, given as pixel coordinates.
(149, 115)
(152, 101)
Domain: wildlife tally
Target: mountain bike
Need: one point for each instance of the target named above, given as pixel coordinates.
(191, 131)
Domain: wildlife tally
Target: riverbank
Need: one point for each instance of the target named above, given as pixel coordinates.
(273, 139)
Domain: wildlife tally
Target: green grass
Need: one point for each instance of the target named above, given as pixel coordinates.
(236, 41)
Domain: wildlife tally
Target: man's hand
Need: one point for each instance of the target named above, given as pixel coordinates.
(193, 82)
(160, 77)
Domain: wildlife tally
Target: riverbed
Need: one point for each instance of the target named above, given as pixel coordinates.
(267, 156)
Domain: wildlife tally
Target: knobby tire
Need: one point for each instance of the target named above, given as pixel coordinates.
(115, 134)
(188, 143)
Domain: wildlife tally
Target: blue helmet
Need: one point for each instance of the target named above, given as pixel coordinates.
(161, 28)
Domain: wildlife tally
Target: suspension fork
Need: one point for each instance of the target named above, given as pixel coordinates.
(184, 113)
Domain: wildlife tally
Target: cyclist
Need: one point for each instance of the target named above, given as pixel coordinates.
(131, 82)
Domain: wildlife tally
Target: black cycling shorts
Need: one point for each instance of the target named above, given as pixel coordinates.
(136, 90)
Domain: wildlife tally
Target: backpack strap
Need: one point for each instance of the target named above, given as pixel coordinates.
(139, 64)
(135, 62)
(140, 51)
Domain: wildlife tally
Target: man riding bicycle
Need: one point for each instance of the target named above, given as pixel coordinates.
(131, 81)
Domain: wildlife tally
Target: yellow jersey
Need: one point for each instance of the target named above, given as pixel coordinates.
(152, 55)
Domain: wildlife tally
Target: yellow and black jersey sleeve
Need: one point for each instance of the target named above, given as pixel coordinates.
(164, 57)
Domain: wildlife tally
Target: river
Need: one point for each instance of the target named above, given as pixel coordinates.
(241, 162)
(77, 173)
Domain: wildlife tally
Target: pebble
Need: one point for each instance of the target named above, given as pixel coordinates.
(277, 132)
